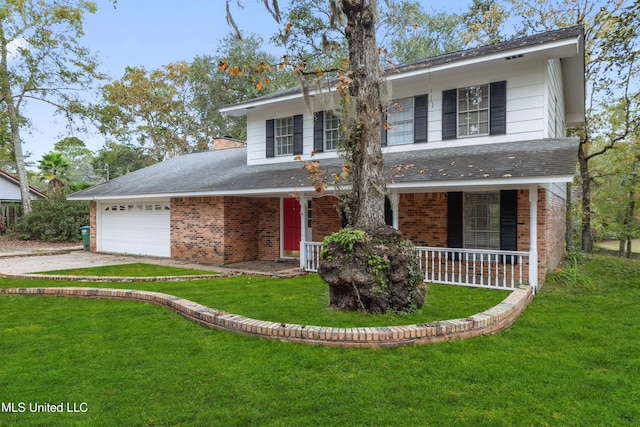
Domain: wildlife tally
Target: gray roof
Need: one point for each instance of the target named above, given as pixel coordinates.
(226, 172)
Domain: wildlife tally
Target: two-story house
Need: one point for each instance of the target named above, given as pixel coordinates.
(475, 149)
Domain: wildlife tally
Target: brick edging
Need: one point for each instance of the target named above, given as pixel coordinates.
(487, 322)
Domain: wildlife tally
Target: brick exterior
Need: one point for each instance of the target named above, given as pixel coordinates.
(552, 223)
(225, 229)
(423, 218)
(326, 218)
(234, 229)
(225, 143)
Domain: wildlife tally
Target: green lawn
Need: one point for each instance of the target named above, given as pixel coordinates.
(572, 359)
(131, 270)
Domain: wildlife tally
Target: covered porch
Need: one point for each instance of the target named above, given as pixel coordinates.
(456, 265)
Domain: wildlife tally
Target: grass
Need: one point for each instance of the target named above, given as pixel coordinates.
(572, 359)
(131, 270)
(303, 300)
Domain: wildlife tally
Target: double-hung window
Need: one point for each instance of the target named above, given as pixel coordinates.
(400, 117)
(473, 111)
(333, 137)
(482, 220)
(283, 136)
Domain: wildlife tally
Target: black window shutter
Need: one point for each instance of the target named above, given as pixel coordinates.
(509, 222)
(449, 114)
(498, 108)
(270, 140)
(383, 130)
(297, 134)
(454, 219)
(318, 131)
(388, 212)
(420, 118)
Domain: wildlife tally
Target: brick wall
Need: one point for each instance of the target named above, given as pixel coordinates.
(423, 218)
(225, 229)
(197, 228)
(553, 228)
(325, 217)
(268, 211)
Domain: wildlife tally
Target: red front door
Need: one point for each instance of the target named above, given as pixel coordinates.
(291, 225)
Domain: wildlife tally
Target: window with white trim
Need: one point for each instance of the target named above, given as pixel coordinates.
(333, 137)
(482, 220)
(400, 116)
(473, 110)
(283, 136)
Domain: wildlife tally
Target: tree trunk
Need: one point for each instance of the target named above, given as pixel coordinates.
(14, 124)
(369, 268)
(585, 175)
(369, 188)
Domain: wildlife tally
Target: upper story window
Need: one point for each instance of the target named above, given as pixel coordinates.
(473, 110)
(283, 135)
(406, 121)
(333, 137)
(400, 117)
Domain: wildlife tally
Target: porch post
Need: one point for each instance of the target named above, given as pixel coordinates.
(303, 230)
(533, 236)
(394, 199)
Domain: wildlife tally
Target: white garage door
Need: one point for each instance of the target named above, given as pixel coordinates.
(141, 228)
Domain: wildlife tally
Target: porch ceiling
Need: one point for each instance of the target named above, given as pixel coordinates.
(226, 173)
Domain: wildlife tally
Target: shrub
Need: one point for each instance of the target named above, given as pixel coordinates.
(54, 220)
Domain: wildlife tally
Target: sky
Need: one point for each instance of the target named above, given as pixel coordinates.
(153, 33)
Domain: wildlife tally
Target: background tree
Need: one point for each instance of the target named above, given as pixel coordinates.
(54, 169)
(80, 160)
(115, 159)
(41, 59)
(414, 34)
(174, 110)
(484, 22)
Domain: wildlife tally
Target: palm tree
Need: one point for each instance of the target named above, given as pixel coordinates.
(54, 168)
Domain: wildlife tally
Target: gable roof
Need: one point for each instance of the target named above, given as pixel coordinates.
(566, 43)
(225, 172)
(14, 183)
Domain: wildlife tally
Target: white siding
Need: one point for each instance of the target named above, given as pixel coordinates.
(555, 102)
(9, 190)
(557, 188)
(527, 111)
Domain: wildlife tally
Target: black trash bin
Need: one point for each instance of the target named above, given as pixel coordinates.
(86, 236)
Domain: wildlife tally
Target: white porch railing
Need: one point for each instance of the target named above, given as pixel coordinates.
(473, 267)
(465, 267)
(310, 257)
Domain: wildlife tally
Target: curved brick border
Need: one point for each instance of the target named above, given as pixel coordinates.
(487, 322)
